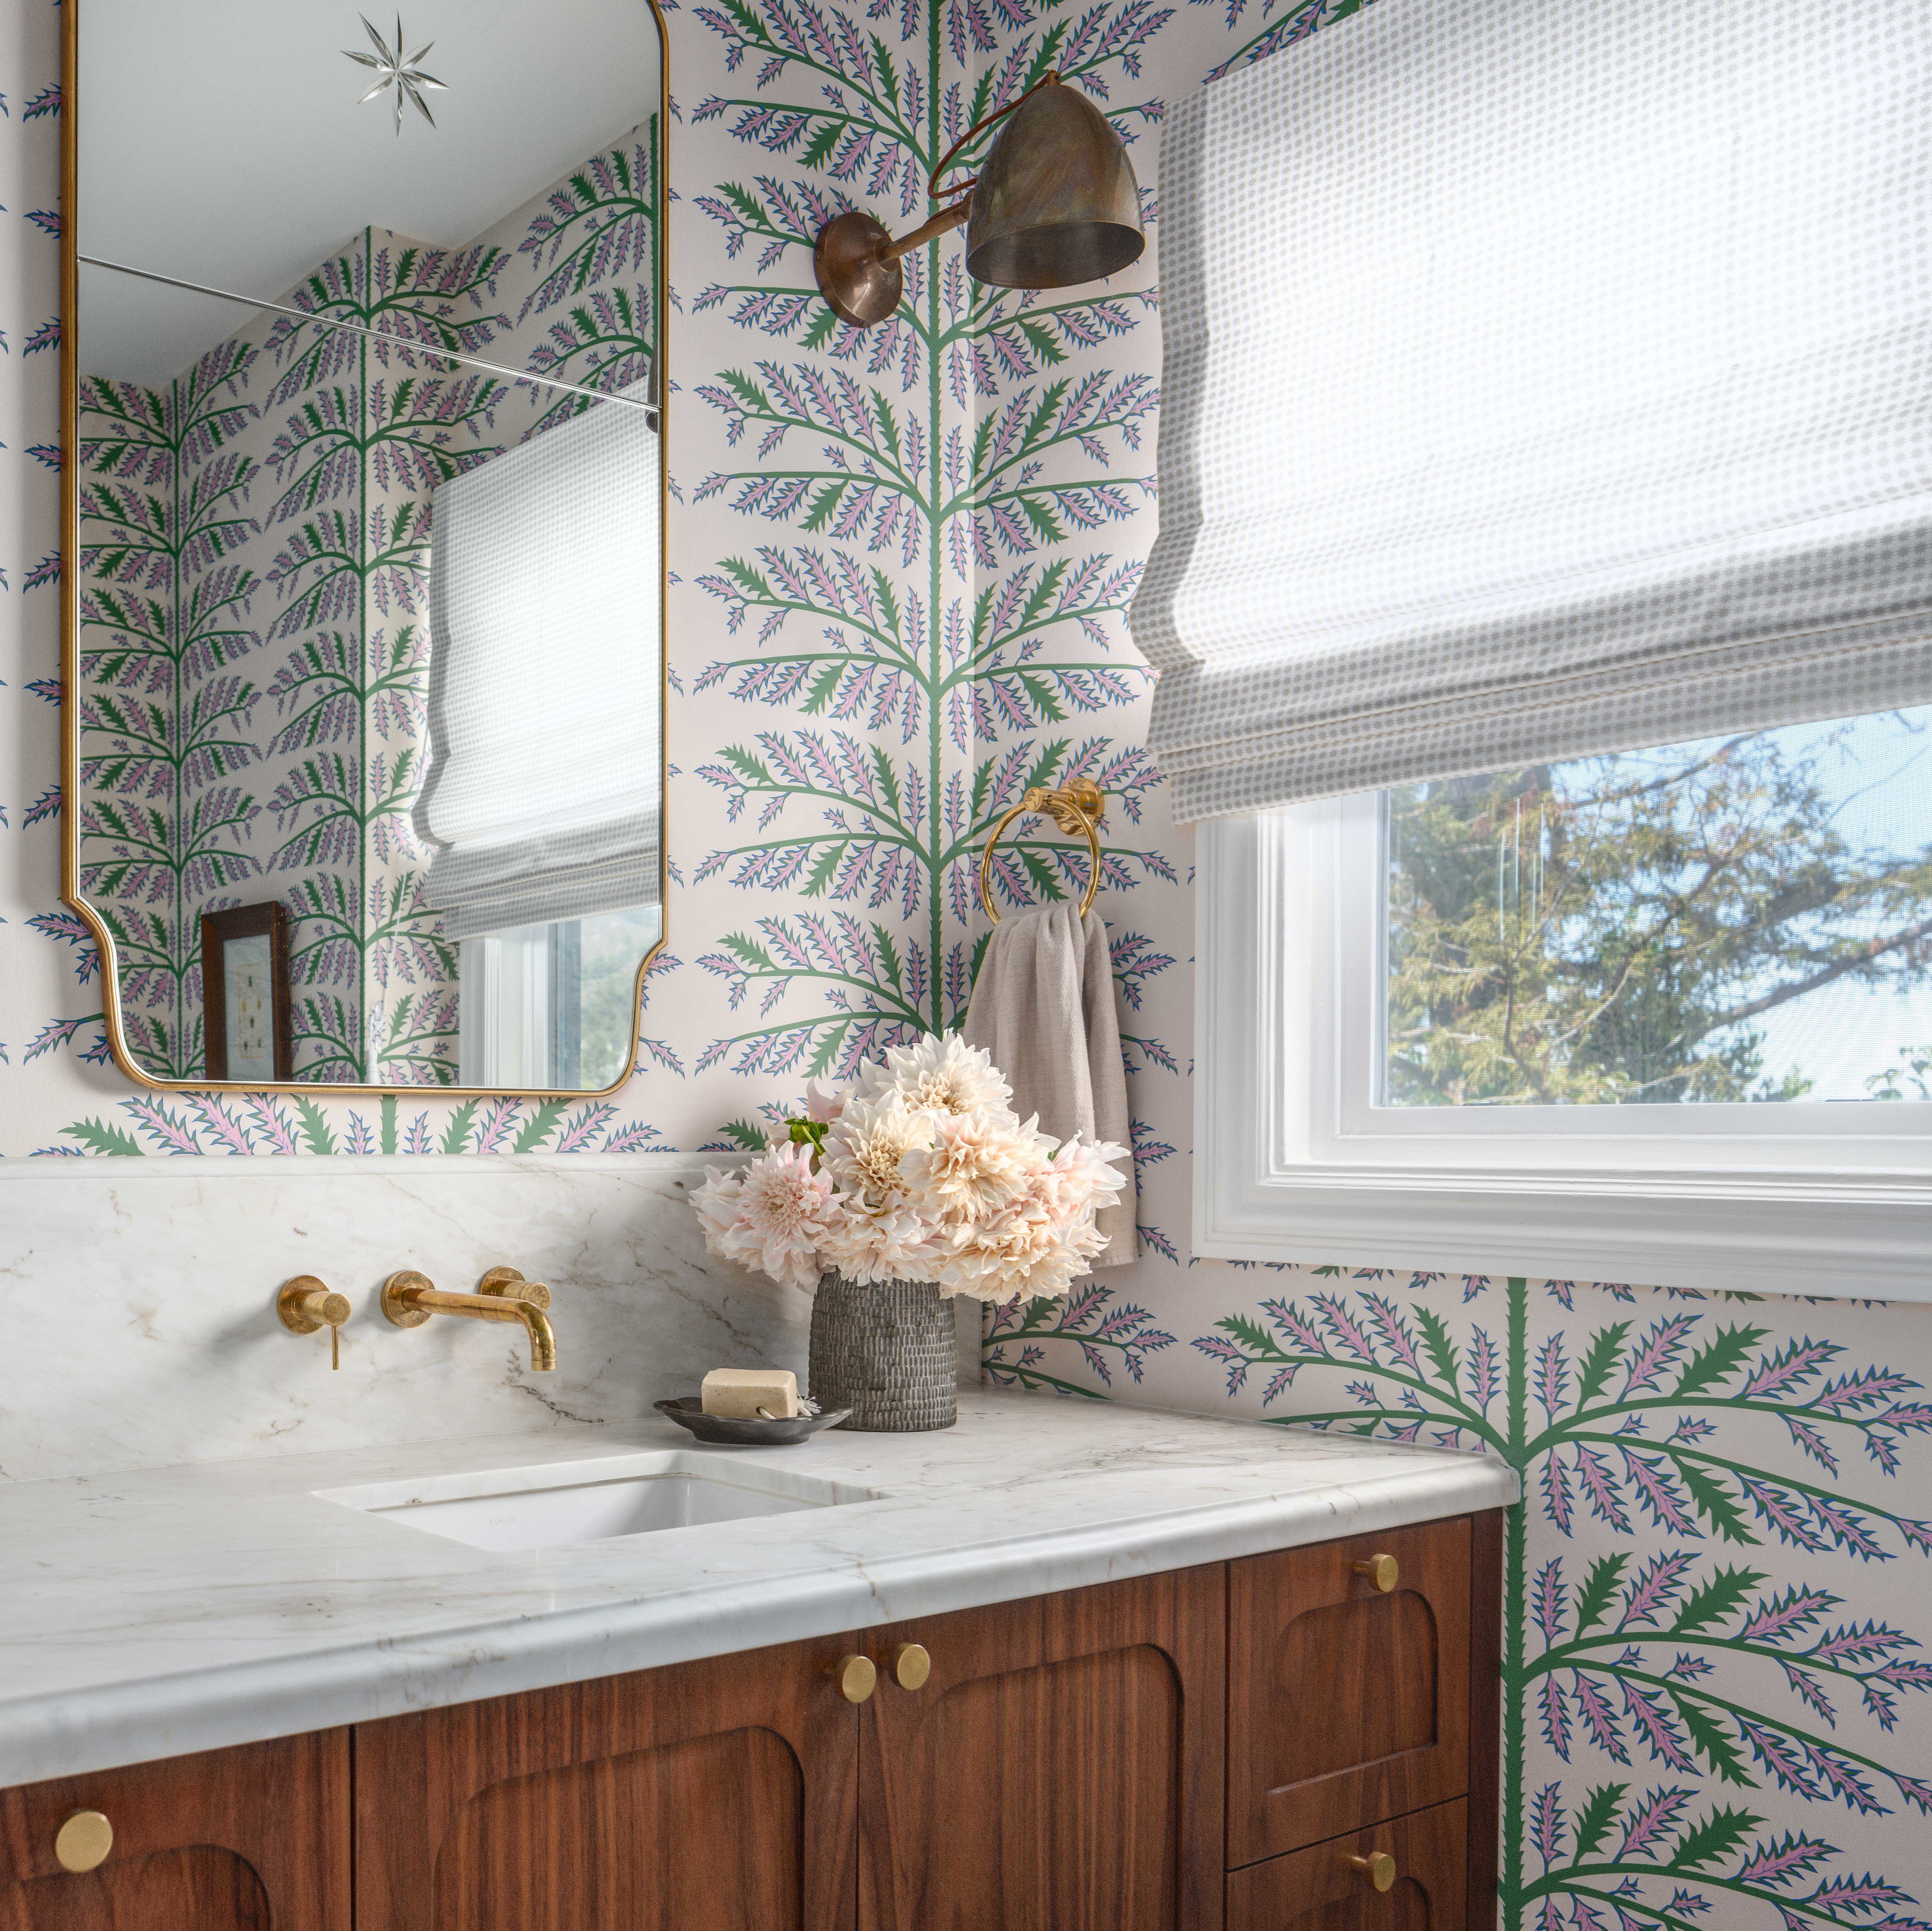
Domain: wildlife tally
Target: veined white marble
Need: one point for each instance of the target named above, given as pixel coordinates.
(142, 1293)
(161, 1612)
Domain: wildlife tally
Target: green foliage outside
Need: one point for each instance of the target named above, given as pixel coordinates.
(1607, 931)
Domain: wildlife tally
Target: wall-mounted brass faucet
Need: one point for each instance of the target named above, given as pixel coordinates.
(305, 1304)
(409, 1299)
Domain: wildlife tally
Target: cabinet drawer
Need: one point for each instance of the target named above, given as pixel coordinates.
(1348, 1703)
(1318, 1889)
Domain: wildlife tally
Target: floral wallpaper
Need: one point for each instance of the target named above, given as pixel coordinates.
(901, 560)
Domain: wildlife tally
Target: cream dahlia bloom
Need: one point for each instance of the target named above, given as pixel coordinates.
(1024, 1250)
(1084, 1179)
(865, 1144)
(976, 1162)
(925, 1174)
(893, 1244)
(783, 1211)
(941, 1072)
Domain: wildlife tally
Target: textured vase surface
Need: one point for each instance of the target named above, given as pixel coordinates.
(886, 1352)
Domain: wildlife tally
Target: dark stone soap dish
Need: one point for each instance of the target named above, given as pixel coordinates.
(688, 1411)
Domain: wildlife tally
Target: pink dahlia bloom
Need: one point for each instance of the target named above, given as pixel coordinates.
(784, 1212)
(715, 1204)
(822, 1101)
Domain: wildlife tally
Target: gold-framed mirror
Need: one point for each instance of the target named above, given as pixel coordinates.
(364, 508)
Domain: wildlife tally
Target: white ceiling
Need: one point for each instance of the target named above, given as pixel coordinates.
(220, 141)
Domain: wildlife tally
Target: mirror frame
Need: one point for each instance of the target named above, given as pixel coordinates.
(70, 390)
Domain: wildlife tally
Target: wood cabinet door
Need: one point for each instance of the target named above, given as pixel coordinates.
(1347, 1703)
(1060, 1770)
(1320, 1889)
(253, 1839)
(709, 1796)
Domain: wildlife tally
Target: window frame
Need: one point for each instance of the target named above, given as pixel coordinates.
(1293, 1163)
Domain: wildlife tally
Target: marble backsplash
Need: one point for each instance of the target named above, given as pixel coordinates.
(141, 1296)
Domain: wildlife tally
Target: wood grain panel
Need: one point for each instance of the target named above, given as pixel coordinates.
(704, 1795)
(1321, 1660)
(1061, 1770)
(197, 1890)
(1318, 1889)
(254, 1839)
(705, 1835)
(1486, 1714)
(1346, 1704)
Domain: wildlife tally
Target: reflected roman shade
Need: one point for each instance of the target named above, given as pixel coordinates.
(542, 794)
(1541, 377)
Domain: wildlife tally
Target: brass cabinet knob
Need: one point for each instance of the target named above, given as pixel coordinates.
(911, 1665)
(83, 1840)
(1378, 1867)
(1382, 1571)
(856, 1677)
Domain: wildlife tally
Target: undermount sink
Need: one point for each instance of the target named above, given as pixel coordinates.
(595, 1501)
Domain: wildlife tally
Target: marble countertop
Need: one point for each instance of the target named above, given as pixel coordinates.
(146, 1614)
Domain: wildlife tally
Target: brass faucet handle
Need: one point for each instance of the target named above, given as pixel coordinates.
(305, 1304)
(511, 1285)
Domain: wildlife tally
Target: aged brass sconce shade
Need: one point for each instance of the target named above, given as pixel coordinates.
(1056, 204)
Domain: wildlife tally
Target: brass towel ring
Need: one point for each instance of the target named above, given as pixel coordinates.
(1073, 808)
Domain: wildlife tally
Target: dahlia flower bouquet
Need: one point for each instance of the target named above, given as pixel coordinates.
(919, 1170)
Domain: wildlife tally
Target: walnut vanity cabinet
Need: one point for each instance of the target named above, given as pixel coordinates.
(1060, 1767)
(709, 1796)
(1302, 1741)
(1331, 1886)
(1362, 1713)
(252, 1838)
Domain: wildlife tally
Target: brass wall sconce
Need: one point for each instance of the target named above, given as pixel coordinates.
(1056, 204)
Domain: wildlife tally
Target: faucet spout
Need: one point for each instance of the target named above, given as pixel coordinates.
(409, 1299)
(543, 1340)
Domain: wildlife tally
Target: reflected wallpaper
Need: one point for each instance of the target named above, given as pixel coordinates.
(900, 562)
(254, 605)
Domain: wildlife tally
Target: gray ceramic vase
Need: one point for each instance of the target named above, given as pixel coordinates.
(886, 1352)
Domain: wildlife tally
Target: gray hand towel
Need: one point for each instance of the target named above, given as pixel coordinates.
(1043, 1007)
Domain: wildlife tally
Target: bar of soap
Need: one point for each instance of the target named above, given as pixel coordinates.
(740, 1392)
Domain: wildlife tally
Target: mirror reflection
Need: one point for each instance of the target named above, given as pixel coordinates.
(368, 473)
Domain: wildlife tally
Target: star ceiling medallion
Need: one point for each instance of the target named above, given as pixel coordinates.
(394, 68)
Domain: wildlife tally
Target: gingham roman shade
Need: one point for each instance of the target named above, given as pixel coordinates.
(542, 794)
(1540, 377)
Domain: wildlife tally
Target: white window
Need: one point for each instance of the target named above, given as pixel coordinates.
(549, 1007)
(1664, 1016)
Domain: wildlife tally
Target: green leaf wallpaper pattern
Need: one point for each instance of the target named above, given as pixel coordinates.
(901, 560)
